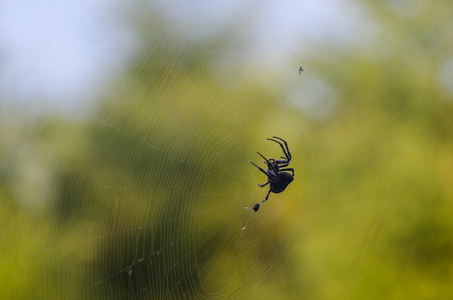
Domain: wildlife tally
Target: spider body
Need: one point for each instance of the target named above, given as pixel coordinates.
(277, 178)
(280, 183)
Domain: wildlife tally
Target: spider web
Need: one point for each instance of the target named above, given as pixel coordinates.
(150, 196)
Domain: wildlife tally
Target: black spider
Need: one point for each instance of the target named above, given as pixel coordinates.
(276, 178)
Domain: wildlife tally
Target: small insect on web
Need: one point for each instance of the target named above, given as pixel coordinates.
(277, 178)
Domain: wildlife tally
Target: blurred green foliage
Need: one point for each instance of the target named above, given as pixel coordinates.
(148, 179)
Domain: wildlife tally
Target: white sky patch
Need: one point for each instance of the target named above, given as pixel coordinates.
(57, 51)
(314, 98)
(302, 27)
(61, 52)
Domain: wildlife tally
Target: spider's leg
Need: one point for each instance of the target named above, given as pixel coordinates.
(286, 151)
(282, 163)
(272, 168)
(267, 196)
(288, 169)
(267, 160)
(286, 145)
(259, 168)
(271, 165)
(261, 185)
(288, 156)
(274, 165)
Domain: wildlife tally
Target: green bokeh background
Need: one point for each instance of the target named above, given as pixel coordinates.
(145, 197)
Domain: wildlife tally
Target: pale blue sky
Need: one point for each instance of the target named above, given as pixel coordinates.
(57, 53)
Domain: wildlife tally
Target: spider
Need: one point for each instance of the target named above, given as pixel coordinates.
(276, 178)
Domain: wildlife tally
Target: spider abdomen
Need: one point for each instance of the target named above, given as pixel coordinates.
(280, 183)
